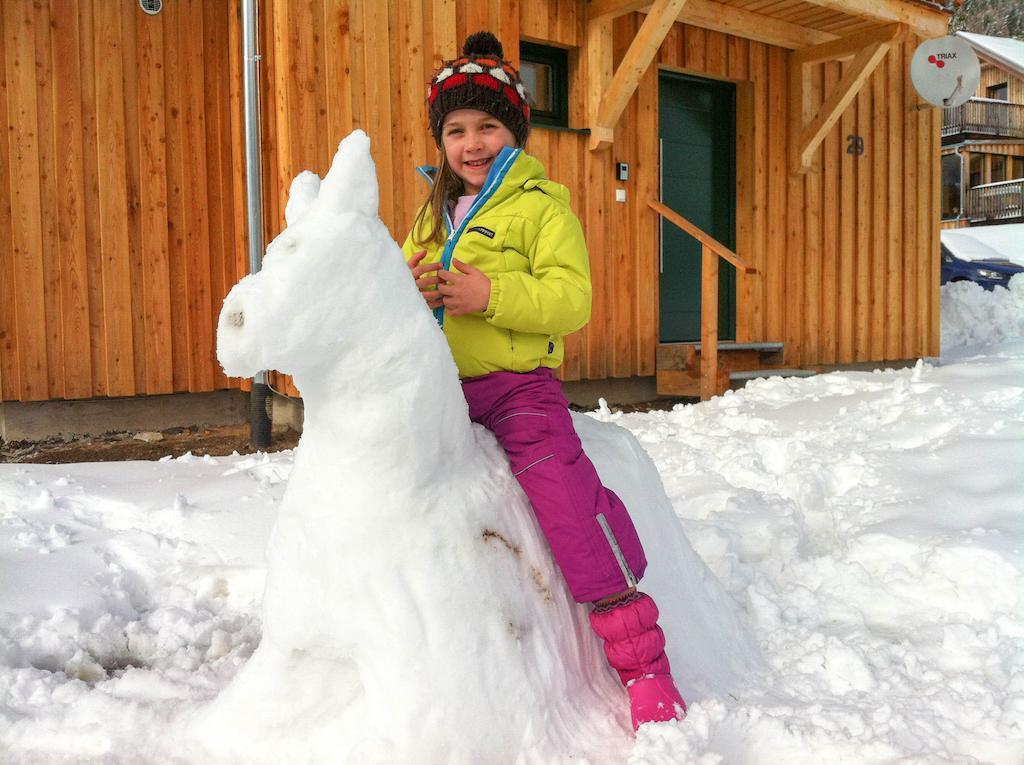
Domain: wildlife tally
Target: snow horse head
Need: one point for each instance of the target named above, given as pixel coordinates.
(322, 277)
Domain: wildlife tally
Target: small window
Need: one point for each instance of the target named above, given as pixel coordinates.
(545, 73)
(998, 168)
(999, 92)
(950, 186)
(1018, 168)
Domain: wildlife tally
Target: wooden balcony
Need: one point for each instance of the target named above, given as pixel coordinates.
(1002, 202)
(983, 117)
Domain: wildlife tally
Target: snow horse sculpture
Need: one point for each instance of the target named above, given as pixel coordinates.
(412, 612)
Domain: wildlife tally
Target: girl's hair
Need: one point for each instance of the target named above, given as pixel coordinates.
(429, 225)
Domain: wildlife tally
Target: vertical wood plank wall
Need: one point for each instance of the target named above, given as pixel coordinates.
(123, 169)
(121, 222)
(994, 75)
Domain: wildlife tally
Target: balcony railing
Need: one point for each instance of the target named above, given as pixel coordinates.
(984, 116)
(996, 201)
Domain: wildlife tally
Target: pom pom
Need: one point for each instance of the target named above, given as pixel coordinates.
(483, 44)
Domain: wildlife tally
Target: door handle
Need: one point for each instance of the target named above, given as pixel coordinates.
(661, 197)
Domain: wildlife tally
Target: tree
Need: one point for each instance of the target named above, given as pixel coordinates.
(1000, 18)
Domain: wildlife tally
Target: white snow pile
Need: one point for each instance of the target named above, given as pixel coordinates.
(873, 526)
(867, 530)
(128, 592)
(972, 316)
(869, 526)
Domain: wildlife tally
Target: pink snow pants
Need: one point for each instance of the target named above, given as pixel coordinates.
(587, 527)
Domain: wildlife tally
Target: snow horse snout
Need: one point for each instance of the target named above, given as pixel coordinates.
(238, 345)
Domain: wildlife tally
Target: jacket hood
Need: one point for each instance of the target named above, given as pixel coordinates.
(527, 172)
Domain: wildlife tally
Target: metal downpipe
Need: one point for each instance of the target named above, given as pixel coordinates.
(259, 403)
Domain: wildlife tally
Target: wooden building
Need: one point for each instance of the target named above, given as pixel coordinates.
(983, 141)
(783, 129)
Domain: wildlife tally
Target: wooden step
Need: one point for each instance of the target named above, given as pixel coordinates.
(678, 364)
(755, 374)
(686, 356)
(730, 347)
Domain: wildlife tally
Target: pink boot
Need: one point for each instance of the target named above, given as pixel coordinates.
(635, 647)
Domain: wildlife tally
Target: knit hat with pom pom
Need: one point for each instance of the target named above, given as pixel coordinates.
(480, 79)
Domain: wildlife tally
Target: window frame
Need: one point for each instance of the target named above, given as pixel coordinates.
(997, 160)
(975, 170)
(998, 92)
(558, 61)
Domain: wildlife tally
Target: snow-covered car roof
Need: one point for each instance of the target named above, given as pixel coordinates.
(1000, 242)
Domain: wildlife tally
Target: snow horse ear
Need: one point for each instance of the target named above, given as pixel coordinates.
(351, 183)
(301, 196)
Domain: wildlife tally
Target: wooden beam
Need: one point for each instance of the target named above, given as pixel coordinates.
(799, 103)
(734, 20)
(859, 71)
(610, 9)
(708, 323)
(600, 66)
(659, 20)
(844, 47)
(923, 21)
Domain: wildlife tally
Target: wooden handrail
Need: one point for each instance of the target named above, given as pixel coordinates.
(711, 250)
(706, 239)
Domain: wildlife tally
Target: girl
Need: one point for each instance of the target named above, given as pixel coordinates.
(500, 258)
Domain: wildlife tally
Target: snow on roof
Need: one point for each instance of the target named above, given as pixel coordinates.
(1000, 242)
(1003, 51)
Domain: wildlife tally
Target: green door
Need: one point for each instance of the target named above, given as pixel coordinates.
(697, 126)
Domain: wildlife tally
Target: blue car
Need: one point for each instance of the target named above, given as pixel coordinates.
(985, 255)
(988, 273)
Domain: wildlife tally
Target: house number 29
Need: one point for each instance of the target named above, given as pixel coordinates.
(855, 145)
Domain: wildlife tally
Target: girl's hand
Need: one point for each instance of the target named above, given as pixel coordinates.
(465, 292)
(427, 284)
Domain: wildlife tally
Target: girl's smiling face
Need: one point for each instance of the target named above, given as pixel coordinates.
(472, 140)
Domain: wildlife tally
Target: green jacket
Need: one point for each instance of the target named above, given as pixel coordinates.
(522, 233)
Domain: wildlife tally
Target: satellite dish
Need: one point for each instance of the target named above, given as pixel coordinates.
(945, 71)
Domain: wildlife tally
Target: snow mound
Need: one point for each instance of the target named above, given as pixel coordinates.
(868, 523)
(872, 524)
(973, 316)
(127, 592)
(413, 613)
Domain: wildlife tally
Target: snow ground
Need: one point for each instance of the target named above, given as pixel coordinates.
(870, 527)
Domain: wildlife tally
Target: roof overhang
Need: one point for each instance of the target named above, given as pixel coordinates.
(831, 29)
(924, 19)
